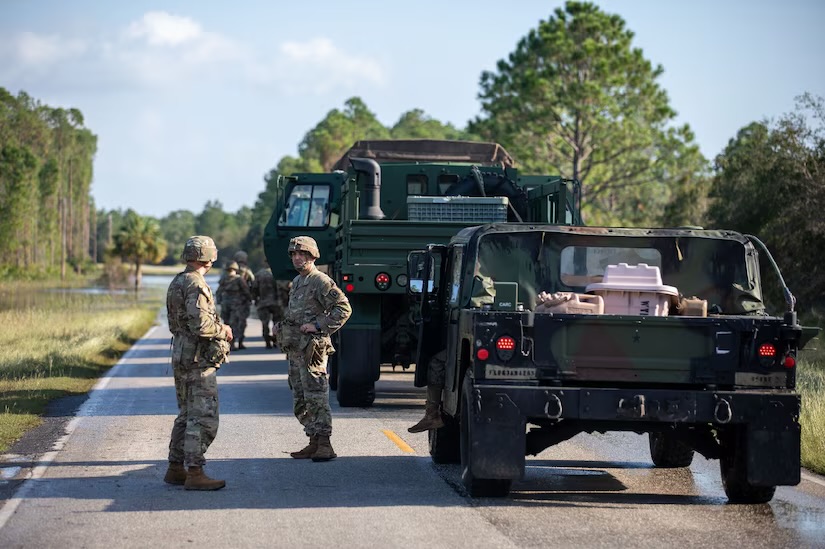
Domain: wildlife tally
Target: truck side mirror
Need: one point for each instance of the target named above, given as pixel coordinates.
(416, 272)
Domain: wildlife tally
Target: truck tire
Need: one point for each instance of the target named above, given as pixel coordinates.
(445, 443)
(666, 450)
(352, 394)
(732, 465)
(476, 487)
(357, 366)
(332, 366)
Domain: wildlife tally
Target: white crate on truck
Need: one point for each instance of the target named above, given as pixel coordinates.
(473, 209)
(633, 290)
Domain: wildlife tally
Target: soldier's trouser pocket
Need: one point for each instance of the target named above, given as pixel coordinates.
(316, 357)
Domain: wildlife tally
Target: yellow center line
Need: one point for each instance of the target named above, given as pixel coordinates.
(398, 441)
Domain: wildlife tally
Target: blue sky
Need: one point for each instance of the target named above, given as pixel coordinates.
(194, 101)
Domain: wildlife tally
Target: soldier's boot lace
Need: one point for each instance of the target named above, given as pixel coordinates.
(307, 451)
(432, 412)
(325, 451)
(175, 474)
(197, 480)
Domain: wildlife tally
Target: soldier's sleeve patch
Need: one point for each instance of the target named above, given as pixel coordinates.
(334, 293)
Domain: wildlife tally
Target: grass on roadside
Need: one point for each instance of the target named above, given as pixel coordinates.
(59, 346)
(811, 385)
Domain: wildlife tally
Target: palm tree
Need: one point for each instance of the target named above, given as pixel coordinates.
(139, 240)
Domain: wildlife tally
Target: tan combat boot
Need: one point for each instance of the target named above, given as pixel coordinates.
(325, 451)
(432, 412)
(307, 451)
(197, 480)
(175, 474)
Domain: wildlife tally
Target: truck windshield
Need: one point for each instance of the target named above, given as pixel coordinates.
(712, 269)
(306, 206)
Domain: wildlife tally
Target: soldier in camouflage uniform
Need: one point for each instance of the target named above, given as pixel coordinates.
(271, 298)
(316, 309)
(245, 305)
(234, 296)
(200, 345)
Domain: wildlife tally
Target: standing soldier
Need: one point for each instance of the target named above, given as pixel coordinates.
(241, 258)
(270, 301)
(232, 294)
(317, 308)
(200, 345)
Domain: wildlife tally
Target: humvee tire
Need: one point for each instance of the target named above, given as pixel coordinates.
(476, 487)
(732, 465)
(445, 443)
(667, 451)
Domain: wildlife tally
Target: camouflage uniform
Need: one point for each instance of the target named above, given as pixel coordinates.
(244, 305)
(232, 294)
(271, 299)
(198, 349)
(313, 299)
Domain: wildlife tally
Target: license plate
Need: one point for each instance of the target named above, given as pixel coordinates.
(775, 379)
(494, 371)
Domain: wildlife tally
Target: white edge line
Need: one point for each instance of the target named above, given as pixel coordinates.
(811, 478)
(37, 472)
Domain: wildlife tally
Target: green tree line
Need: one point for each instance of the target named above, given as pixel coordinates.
(46, 210)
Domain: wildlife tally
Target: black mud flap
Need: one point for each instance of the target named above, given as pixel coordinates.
(773, 457)
(497, 438)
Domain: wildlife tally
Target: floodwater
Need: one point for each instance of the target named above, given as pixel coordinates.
(22, 297)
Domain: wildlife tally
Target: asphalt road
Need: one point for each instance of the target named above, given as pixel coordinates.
(92, 477)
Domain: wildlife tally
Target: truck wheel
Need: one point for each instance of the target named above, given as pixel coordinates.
(476, 487)
(355, 394)
(666, 450)
(734, 471)
(333, 372)
(445, 443)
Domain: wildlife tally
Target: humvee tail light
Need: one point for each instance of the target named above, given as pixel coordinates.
(790, 362)
(382, 281)
(767, 350)
(349, 286)
(483, 354)
(505, 347)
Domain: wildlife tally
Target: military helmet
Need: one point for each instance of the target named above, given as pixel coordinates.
(199, 248)
(304, 244)
(232, 266)
(240, 256)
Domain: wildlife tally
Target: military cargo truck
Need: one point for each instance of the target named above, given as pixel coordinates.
(383, 199)
(551, 331)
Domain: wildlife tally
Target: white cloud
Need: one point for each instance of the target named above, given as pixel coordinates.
(172, 53)
(163, 29)
(40, 51)
(323, 66)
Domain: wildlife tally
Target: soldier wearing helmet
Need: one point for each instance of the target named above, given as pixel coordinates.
(200, 345)
(270, 297)
(234, 296)
(243, 303)
(316, 309)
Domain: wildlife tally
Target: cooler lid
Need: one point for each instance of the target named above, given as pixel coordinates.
(634, 278)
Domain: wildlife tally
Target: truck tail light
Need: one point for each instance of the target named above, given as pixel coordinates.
(482, 354)
(382, 281)
(790, 362)
(505, 347)
(767, 350)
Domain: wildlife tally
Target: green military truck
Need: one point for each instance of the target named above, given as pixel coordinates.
(383, 199)
(550, 331)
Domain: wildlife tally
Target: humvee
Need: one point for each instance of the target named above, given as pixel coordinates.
(550, 331)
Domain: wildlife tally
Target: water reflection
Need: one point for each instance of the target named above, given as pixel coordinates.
(25, 296)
